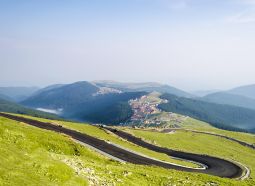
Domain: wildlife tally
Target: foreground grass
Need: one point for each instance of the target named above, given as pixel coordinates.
(26, 156)
(32, 156)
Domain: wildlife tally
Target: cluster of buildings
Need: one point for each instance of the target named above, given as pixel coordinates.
(146, 113)
(142, 110)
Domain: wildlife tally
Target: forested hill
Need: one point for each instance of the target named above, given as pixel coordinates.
(221, 116)
(107, 109)
(62, 96)
(84, 101)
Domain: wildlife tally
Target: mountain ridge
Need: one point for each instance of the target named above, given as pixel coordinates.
(222, 116)
(85, 101)
(247, 90)
(145, 86)
(18, 93)
(230, 99)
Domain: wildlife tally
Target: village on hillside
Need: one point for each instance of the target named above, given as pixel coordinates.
(147, 114)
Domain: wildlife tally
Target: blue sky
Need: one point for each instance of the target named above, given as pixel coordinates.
(191, 44)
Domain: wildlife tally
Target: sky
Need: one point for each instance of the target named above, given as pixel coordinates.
(189, 44)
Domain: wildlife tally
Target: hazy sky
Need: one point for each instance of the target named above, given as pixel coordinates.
(190, 44)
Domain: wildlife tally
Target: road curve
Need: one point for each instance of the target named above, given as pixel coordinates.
(216, 166)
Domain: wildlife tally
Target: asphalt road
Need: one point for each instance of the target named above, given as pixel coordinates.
(215, 166)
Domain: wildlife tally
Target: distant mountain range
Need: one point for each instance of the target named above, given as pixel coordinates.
(64, 96)
(5, 97)
(146, 87)
(85, 101)
(222, 116)
(242, 96)
(203, 93)
(17, 93)
(99, 101)
(230, 99)
(247, 91)
(107, 102)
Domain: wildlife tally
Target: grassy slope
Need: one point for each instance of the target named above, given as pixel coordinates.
(202, 126)
(32, 156)
(29, 156)
(203, 144)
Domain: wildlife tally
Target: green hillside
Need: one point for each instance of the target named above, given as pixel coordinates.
(193, 124)
(81, 101)
(107, 109)
(113, 114)
(62, 96)
(32, 156)
(222, 116)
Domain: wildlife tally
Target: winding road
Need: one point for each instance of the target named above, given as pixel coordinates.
(215, 166)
